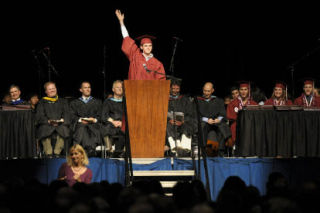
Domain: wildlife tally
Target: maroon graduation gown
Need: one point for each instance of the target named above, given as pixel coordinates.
(232, 114)
(137, 61)
(301, 101)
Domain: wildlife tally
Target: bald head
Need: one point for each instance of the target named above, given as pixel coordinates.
(207, 90)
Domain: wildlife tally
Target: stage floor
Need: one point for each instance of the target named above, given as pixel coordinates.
(254, 171)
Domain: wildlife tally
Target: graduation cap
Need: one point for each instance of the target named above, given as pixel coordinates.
(244, 84)
(280, 84)
(145, 39)
(308, 80)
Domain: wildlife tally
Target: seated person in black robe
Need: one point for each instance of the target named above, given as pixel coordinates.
(15, 96)
(86, 112)
(112, 120)
(213, 121)
(53, 120)
(179, 126)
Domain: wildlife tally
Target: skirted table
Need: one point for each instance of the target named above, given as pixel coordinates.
(17, 134)
(272, 133)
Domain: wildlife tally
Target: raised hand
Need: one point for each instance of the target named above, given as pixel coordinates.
(120, 16)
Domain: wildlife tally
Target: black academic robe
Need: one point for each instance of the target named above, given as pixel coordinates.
(88, 135)
(214, 108)
(180, 104)
(47, 110)
(111, 109)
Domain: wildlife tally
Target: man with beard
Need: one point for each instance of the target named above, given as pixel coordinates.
(53, 120)
(112, 120)
(179, 126)
(213, 121)
(86, 112)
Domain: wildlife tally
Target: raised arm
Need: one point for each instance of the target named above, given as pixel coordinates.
(120, 17)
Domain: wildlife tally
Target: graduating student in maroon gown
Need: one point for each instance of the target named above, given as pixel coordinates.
(279, 96)
(243, 100)
(307, 98)
(143, 65)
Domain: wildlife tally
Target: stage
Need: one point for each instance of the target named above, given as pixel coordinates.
(254, 171)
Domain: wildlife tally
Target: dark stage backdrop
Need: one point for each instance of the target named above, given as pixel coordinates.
(221, 43)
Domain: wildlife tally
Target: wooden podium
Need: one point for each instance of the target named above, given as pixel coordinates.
(147, 108)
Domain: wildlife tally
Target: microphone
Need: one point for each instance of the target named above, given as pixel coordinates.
(145, 67)
(177, 38)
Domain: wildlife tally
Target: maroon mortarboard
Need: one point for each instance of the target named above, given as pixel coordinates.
(308, 80)
(145, 39)
(280, 84)
(244, 84)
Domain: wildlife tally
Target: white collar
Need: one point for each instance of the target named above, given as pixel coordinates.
(147, 57)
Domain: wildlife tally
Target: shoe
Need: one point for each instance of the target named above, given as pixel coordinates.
(49, 156)
(183, 152)
(117, 154)
(170, 154)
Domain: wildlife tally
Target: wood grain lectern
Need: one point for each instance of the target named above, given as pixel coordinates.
(147, 108)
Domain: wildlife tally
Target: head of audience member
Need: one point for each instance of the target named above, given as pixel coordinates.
(232, 197)
(207, 90)
(50, 89)
(277, 185)
(175, 88)
(77, 156)
(244, 90)
(85, 89)
(6, 99)
(14, 92)
(234, 92)
(146, 44)
(308, 87)
(117, 89)
(33, 100)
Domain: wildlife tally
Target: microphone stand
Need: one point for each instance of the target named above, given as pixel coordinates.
(292, 66)
(104, 71)
(171, 68)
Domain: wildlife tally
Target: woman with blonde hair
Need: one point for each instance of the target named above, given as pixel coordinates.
(75, 169)
(279, 96)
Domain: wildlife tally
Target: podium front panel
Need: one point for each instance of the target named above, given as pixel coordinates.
(147, 108)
